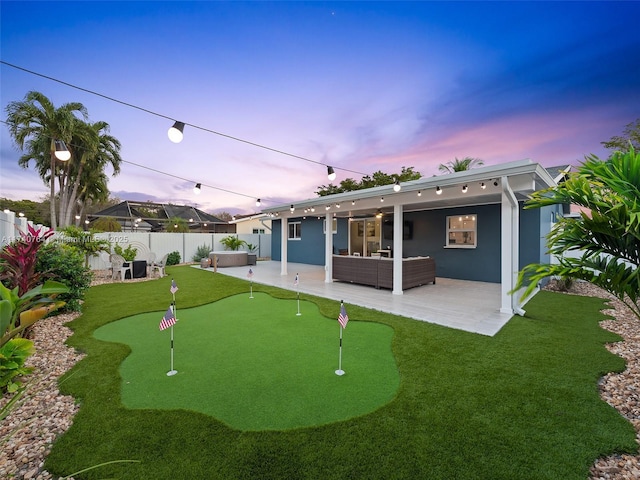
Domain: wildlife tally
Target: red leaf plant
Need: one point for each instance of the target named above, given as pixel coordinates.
(18, 260)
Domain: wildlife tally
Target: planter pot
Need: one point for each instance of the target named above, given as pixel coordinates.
(252, 258)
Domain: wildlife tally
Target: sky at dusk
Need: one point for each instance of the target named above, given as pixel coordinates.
(361, 86)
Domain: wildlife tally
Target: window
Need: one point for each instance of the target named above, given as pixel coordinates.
(334, 227)
(258, 230)
(295, 230)
(461, 231)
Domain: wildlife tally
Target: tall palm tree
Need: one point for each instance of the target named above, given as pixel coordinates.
(34, 125)
(95, 149)
(457, 165)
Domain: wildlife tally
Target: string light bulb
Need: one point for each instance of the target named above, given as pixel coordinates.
(197, 188)
(464, 189)
(483, 186)
(175, 133)
(257, 202)
(438, 191)
(61, 151)
(331, 174)
(396, 186)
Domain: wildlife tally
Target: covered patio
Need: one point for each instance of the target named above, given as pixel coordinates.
(460, 304)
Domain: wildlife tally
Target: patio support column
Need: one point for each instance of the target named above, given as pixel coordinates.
(328, 248)
(510, 241)
(398, 222)
(284, 234)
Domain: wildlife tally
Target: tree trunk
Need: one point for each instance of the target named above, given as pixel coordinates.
(52, 183)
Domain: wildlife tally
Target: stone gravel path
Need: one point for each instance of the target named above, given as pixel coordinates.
(43, 414)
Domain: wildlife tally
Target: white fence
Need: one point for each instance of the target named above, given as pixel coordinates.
(186, 244)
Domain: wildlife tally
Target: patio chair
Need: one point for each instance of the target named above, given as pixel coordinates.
(159, 266)
(151, 259)
(120, 266)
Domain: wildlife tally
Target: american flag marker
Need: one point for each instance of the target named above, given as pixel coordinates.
(343, 318)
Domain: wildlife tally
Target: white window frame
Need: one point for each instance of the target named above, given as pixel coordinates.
(473, 230)
(334, 225)
(297, 231)
(258, 231)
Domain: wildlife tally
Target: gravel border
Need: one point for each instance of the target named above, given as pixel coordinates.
(27, 434)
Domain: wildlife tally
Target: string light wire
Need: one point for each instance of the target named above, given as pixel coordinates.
(230, 137)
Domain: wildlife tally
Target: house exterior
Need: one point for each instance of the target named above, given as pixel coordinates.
(472, 223)
(252, 224)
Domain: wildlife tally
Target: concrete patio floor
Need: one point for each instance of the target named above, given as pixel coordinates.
(464, 305)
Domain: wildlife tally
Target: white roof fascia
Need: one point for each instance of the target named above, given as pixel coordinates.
(520, 167)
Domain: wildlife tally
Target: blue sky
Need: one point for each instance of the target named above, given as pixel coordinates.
(361, 86)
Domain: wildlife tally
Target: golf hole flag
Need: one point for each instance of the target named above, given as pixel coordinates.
(174, 287)
(168, 320)
(343, 318)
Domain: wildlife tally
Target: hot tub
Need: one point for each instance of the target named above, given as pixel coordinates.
(228, 258)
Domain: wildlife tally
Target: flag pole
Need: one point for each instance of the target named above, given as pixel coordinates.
(172, 372)
(340, 372)
(343, 318)
(298, 294)
(250, 275)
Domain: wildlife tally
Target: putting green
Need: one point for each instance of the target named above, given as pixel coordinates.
(256, 365)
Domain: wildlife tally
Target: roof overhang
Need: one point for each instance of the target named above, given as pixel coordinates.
(484, 186)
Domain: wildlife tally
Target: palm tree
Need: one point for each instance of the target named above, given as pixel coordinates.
(467, 163)
(34, 125)
(95, 149)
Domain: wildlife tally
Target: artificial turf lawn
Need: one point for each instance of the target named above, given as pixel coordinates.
(523, 404)
(254, 364)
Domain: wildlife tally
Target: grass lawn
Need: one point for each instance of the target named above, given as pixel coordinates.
(521, 405)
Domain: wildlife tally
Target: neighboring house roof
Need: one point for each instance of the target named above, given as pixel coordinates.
(162, 212)
(484, 186)
(559, 173)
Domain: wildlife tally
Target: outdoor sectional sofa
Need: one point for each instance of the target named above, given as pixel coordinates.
(378, 271)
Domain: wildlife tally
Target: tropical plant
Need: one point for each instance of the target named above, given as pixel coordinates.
(85, 242)
(232, 242)
(107, 224)
(608, 236)
(251, 248)
(34, 125)
(12, 357)
(64, 263)
(201, 252)
(85, 179)
(173, 258)
(18, 312)
(457, 165)
(129, 253)
(177, 225)
(18, 260)
(378, 178)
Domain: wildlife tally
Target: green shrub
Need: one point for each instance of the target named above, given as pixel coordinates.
(65, 264)
(201, 252)
(129, 253)
(12, 357)
(173, 258)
